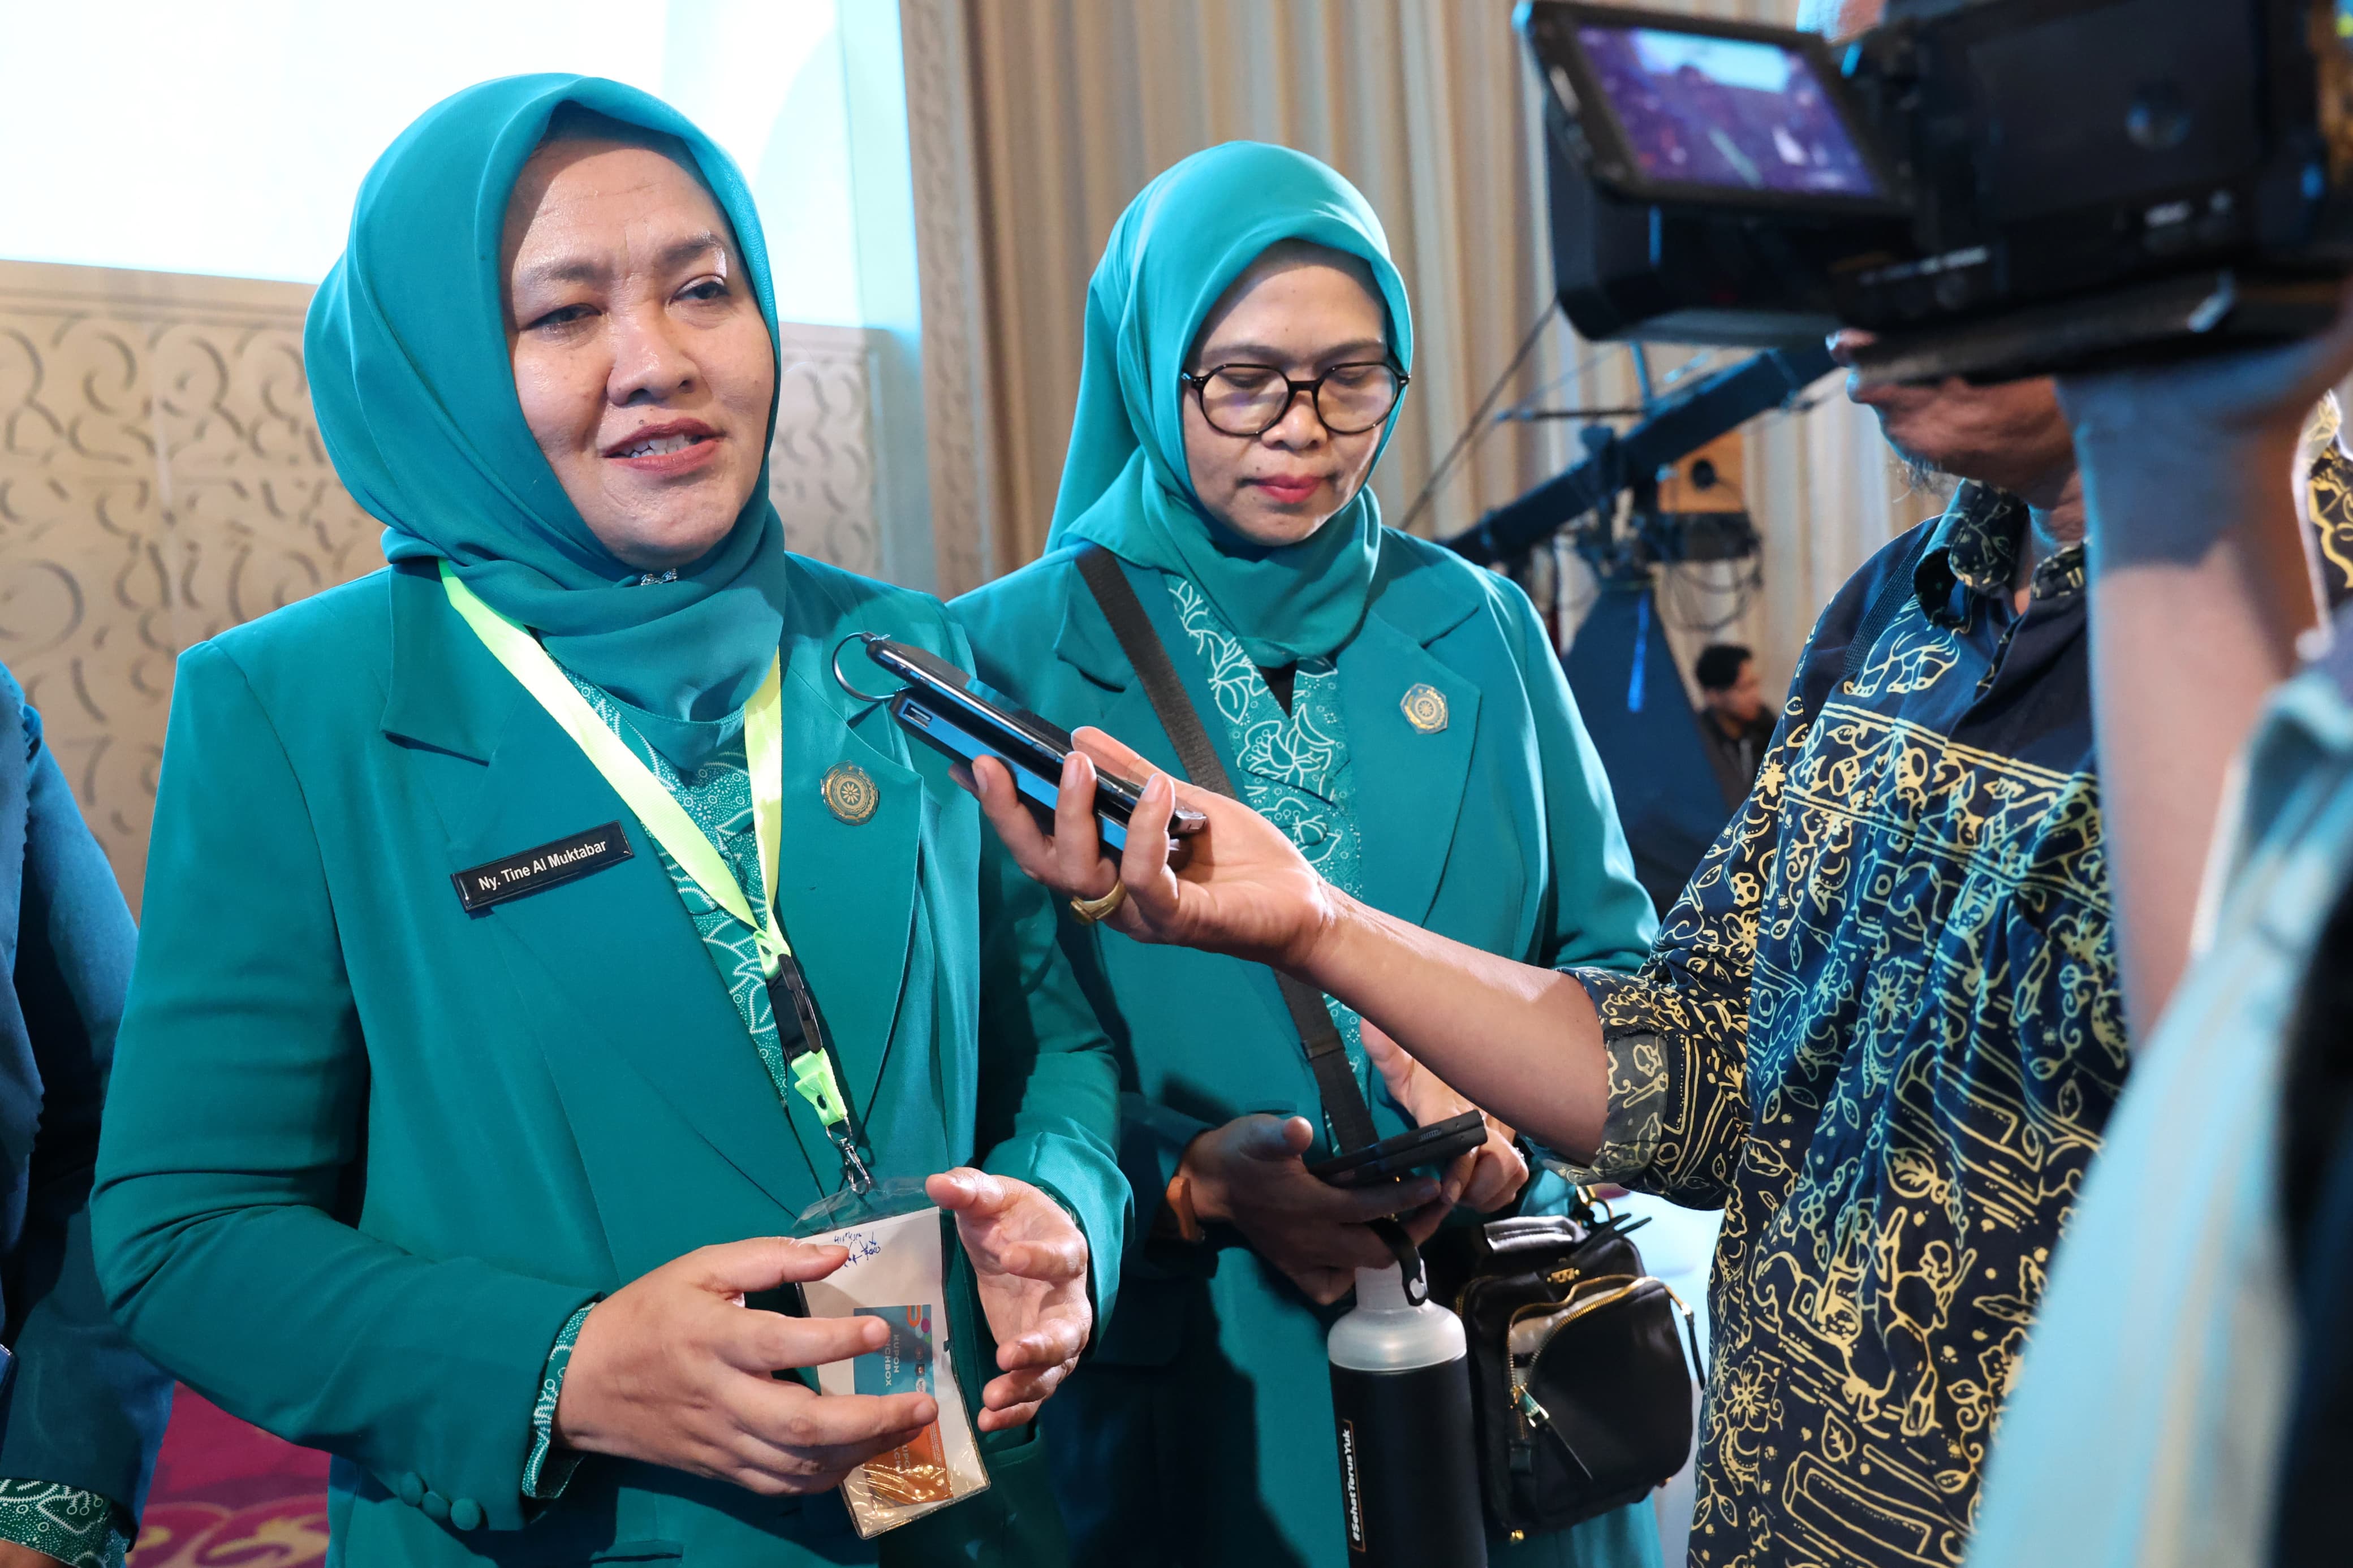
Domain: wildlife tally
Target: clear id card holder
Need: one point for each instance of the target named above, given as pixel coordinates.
(897, 1240)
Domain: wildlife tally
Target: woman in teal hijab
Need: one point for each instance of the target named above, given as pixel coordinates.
(1401, 716)
(535, 929)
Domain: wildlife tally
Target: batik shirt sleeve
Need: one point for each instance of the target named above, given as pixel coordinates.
(1676, 1030)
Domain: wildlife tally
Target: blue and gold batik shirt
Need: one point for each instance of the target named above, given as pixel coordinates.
(1881, 1031)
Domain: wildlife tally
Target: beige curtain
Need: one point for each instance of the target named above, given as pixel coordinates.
(1067, 107)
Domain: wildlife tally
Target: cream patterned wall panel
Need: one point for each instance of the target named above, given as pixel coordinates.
(162, 478)
(821, 467)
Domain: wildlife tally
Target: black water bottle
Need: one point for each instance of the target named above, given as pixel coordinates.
(1401, 1397)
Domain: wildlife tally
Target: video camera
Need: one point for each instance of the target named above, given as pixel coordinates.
(1995, 187)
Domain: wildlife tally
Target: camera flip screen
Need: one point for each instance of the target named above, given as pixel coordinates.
(1739, 114)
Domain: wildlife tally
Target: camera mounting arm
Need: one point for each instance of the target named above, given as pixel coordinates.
(1722, 403)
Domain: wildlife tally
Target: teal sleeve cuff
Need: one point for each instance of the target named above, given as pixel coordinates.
(547, 1470)
(1153, 1138)
(1151, 1142)
(79, 1529)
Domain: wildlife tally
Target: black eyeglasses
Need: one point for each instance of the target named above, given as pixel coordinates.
(1253, 399)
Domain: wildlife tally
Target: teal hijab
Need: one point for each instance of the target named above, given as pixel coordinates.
(1125, 485)
(407, 351)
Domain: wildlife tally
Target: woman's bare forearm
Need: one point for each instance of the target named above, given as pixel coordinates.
(1521, 1043)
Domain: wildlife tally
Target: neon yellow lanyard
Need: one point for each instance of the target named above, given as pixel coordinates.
(659, 814)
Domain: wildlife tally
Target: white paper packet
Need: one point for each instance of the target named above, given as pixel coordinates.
(897, 1271)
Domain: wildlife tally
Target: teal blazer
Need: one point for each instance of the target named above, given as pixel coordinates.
(365, 1153)
(1496, 830)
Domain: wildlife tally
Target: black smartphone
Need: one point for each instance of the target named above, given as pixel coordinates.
(1429, 1148)
(939, 708)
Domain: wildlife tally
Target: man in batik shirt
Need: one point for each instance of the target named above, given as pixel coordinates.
(1881, 1029)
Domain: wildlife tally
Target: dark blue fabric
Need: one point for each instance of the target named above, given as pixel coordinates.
(83, 1408)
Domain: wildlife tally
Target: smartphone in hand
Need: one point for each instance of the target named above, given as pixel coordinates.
(939, 708)
(1431, 1148)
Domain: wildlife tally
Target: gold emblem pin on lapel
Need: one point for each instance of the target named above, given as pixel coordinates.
(1425, 708)
(849, 793)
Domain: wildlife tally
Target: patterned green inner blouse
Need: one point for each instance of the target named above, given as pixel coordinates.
(1294, 767)
(79, 1529)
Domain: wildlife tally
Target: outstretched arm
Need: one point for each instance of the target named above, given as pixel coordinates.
(1520, 1041)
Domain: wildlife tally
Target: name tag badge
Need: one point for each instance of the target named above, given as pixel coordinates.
(897, 1270)
(549, 866)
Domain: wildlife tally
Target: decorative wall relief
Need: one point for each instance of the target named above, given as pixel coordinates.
(821, 467)
(162, 480)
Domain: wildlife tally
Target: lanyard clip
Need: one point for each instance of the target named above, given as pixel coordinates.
(853, 1169)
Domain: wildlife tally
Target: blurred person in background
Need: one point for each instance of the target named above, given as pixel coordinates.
(81, 1413)
(2187, 1398)
(1402, 719)
(1735, 718)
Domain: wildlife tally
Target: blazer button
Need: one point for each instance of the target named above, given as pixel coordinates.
(436, 1507)
(466, 1513)
(410, 1488)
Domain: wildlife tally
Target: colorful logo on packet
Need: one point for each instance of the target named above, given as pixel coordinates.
(916, 1472)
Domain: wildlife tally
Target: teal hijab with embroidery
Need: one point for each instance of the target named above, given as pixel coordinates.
(1125, 485)
(410, 374)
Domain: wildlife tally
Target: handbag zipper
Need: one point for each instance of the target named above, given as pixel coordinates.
(1532, 1414)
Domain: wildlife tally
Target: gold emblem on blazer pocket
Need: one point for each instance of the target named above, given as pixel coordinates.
(1425, 708)
(850, 793)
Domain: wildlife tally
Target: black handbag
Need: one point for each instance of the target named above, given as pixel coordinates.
(1581, 1395)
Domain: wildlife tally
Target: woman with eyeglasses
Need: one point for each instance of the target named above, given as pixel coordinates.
(1400, 715)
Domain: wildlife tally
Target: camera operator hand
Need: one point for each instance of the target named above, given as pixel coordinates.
(2210, 424)
(2200, 584)
(1249, 1173)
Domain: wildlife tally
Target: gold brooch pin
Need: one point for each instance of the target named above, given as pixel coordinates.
(1425, 708)
(850, 793)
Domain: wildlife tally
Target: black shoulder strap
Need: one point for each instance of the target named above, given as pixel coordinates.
(1885, 608)
(1328, 1058)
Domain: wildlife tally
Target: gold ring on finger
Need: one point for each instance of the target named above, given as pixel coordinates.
(1089, 910)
